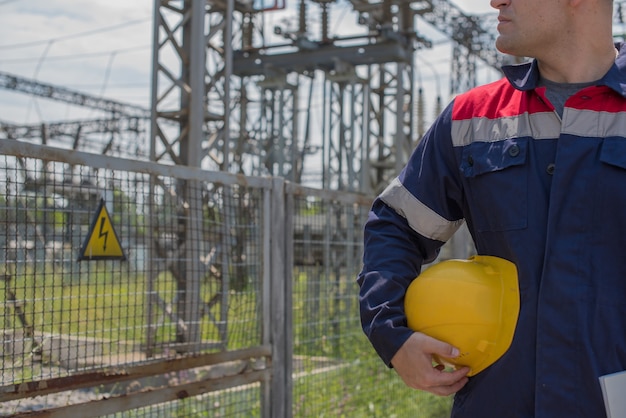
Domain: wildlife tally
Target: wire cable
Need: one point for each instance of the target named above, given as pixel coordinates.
(76, 56)
(76, 35)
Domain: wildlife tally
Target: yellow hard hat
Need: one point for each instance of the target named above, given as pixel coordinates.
(472, 304)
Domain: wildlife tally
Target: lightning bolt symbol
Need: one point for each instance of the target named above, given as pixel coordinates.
(102, 233)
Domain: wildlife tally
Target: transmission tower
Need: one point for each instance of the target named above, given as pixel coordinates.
(119, 130)
(225, 98)
(52, 92)
(238, 100)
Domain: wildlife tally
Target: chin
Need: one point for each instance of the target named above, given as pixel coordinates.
(505, 48)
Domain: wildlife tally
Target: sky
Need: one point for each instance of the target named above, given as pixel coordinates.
(103, 48)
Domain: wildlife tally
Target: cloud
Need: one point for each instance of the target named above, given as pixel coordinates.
(93, 49)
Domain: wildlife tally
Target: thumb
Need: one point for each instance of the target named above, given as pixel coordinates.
(440, 348)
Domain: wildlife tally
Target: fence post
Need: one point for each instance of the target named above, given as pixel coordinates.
(280, 386)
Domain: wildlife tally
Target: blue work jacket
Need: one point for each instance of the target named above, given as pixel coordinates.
(545, 192)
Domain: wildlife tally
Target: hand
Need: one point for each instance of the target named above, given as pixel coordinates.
(414, 364)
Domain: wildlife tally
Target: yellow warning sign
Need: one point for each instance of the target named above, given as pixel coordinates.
(102, 242)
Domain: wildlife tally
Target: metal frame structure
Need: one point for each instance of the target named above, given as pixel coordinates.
(213, 66)
(223, 99)
(236, 97)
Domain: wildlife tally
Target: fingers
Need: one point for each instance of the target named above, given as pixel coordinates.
(445, 383)
(436, 347)
(437, 380)
(414, 364)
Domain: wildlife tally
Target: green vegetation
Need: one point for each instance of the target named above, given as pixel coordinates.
(337, 373)
(364, 388)
(355, 383)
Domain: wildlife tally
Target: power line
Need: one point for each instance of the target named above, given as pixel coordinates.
(77, 56)
(77, 35)
(92, 86)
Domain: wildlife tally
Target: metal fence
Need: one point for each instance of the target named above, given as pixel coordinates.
(135, 289)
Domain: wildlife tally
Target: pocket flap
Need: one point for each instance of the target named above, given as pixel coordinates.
(613, 152)
(485, 157)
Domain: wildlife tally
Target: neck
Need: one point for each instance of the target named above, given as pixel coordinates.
(578, 66)
(584, 50)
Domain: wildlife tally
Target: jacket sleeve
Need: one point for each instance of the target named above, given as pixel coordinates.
(407, 225)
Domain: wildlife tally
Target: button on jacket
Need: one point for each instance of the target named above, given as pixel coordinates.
(544, 192)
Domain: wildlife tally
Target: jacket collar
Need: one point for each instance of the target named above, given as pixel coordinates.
(526, 76)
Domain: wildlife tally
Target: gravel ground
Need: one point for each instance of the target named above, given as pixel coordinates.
(15, 408)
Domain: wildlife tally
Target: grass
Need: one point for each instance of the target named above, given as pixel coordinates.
(327, 335)
(364, 389)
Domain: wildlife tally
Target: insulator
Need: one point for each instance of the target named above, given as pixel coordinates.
(325, 21)
(302, 16)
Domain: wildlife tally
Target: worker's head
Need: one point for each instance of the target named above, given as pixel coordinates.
(471, 304)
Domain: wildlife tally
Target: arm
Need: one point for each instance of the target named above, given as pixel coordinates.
(407, 225)
(382, 310)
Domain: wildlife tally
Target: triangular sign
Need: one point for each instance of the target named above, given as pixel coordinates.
(101, 243)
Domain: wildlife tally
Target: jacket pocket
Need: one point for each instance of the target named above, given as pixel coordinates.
(607, 224)
(613, 152)
(496, 184)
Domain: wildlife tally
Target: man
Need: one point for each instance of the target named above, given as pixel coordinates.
(535, 164)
